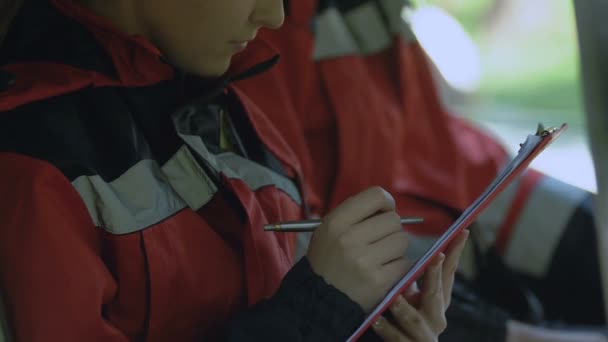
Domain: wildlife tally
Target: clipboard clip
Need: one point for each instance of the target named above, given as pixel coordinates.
(541, 131)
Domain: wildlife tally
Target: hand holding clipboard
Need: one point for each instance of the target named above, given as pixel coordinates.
(529, 150)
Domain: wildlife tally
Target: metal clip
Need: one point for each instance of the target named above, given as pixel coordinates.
(541, 131)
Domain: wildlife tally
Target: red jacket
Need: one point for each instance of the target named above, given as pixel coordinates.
(364, 111)
(374, 119)
(118, 220)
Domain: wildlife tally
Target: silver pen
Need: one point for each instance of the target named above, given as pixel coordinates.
(311, 225)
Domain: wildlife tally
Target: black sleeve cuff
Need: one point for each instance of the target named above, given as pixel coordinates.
(305, 308)
(319, 304)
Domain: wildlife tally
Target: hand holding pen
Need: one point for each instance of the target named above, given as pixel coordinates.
(360, 247)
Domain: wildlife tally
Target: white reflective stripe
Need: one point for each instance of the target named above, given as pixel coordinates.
(332, 36)
(492, 218)
(368, 28)
(137, 199)
(257, 176)
(198, 146)
(541, 225)
(234, 166)
(147, 194)
(188, 179)
(393, 10)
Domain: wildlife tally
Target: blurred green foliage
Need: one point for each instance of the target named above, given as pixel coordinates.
(537, 68)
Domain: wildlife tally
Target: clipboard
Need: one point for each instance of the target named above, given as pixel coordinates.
(529, 150)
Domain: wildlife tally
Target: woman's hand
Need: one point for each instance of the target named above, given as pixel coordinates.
(426, 321)
(360, 247)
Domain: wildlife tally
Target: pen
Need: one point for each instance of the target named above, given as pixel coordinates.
(310, 225)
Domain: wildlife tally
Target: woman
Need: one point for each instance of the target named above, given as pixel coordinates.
(136, 180)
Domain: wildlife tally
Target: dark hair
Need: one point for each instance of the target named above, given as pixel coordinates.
(8, 9)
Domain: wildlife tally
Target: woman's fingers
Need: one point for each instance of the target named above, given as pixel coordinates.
(450, 265)
(433, 301)
(389, 332)
(410, 321)
(427, 322)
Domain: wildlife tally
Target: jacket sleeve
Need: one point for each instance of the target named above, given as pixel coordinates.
(305, 308)
(52, 279)
(54, 284)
